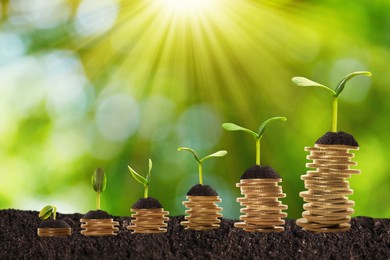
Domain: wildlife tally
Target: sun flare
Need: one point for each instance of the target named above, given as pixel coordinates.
(187, 5)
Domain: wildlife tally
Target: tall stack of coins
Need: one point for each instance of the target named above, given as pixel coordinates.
(203, 211)
(263, 210)
(327, 206)
(99, 227)
(149, 221)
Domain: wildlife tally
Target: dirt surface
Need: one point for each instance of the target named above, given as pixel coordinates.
(368, 239)
(201, 190)
(340, 138)
(260, 172)
(147, 203)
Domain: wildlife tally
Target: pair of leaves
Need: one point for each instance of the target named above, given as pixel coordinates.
(99, 180)
(260, 130)
(200, 160)
(141, 179)
(304, 82)
(48, 211)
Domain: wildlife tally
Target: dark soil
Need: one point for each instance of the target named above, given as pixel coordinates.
(201, 190)
(147, 203)
(97, 214)
(51, 223)
(341, 138)
(368, 239)
(260, 172)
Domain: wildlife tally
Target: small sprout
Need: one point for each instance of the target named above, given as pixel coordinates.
(304, 82)
(142, 180)
(99, 182)
(48, 211)
(257, 135)
(200, 161)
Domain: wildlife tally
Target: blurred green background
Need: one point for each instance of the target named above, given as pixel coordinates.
(87, 84)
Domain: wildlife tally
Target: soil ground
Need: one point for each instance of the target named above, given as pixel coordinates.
(368, 238)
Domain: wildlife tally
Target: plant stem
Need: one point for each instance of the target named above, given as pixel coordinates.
(146, 191)
(200, 173)
(334, 120)
(258, 151)
(54, 213)
(97, 200)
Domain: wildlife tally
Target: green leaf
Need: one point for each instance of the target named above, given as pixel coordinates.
(46, 212)
(216, 154)
(341, 85)
(196, 156)
(138, 177)
(234, 127)
(99, 180)
(149, 176)
(304, 82)
(261, 129)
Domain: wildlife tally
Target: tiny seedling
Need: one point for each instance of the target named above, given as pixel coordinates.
(200, 161)
(257, 135)
(99, 182)
(47, 212)
(304, 82)
(142, 180)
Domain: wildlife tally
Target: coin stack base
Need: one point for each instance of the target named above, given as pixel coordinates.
(99, 227)
(54, 232)
(327, 207)
(203, 213)
(148, 221)
(263, 210)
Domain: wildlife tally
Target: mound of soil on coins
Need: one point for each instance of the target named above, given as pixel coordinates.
(97, 214)
(147, 203)
(340, 138)
(51, 223)
(201, 190)
(368, 238)
(260, 172)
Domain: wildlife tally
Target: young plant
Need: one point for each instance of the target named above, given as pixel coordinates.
(142, 180)
(47, 212)
(304, 82)
(200, 161)
(257, 135)
(99, 182)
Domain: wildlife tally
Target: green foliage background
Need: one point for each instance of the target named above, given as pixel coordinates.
(87, 84)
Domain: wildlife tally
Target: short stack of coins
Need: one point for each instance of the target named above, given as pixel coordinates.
(327, 206)
(99, 227)
(54, 232)
(263, 210)
(203, 213)
(152, 220)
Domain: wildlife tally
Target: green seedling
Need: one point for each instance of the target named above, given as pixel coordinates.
(200, 161)
(99, 182)
(257, 135)
(47, 212)
(142, 180)
(304, 82)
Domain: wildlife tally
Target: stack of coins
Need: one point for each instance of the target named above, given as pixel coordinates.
(99, 227)
(263, 210)
(54, 232)
(149, 221)
(203, 212)
(328, 208)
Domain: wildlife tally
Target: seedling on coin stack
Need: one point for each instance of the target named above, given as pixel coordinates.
(259, 185)
(51, 227)
(327, 206)
(149, 216)
(202, 199)
(98, 222)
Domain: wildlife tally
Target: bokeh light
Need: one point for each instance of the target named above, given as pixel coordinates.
(87, 84)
